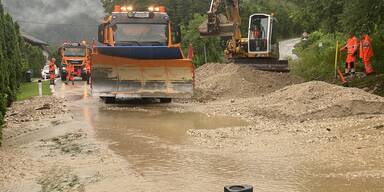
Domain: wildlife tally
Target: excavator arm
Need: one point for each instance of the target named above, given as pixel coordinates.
(235, 18)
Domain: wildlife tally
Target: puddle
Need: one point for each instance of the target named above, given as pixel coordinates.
(74, 97)
(153, 139)
(155, 124)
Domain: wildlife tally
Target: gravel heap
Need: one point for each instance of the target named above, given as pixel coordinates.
(314, 100)
(226, 81)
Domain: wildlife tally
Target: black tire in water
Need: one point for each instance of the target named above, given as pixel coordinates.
(238, 188)
(165, 100)
(109, 100)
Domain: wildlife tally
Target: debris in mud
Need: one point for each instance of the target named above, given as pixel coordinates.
(61, 180)
(12, 166)
(31, 110)
(216, 81)
(69, 144)
(379, 127)
(44, 107)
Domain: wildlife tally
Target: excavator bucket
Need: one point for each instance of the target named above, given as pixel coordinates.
(225, 28)
(141, 72)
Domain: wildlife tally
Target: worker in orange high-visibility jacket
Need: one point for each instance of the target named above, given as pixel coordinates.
(351, 47)
(52, 70)
(88, 71)
(70, 71)
(366, 53)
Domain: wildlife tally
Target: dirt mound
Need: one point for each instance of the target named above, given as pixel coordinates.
(315, 100)
(31, 110)
(226, 81)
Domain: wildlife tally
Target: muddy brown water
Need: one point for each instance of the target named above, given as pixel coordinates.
(154, 143)
(152, 137)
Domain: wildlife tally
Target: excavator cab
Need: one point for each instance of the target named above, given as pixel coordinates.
(258, 33)
(262, 36)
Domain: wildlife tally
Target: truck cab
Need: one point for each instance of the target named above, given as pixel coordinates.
(77, 54)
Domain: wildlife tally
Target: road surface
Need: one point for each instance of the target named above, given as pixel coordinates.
(286, 48)
(189, 147)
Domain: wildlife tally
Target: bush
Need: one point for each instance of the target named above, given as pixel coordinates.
(317, 56)
(2, 113)
(13, 61)
(1, 127)
(318, 62)
(192, 35)
(35, 60)
(378, 48)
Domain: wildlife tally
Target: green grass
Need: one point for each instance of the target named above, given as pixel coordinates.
(29, 90)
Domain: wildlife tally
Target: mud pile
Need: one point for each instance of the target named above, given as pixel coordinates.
(226, 81)
(11, 166)
(31, 110)
(316, 100)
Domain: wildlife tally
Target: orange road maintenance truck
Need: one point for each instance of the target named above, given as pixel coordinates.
(78, 55)
(140, 57)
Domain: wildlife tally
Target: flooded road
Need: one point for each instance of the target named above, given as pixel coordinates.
(149, 147)
(155, 143)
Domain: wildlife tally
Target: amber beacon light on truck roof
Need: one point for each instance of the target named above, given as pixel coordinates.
(129, 8)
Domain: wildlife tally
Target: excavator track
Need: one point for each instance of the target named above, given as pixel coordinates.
(264, 64)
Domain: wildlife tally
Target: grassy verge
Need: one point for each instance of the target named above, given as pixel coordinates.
(29, 90)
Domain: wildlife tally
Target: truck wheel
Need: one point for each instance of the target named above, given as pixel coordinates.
(165, 100)
(109, 100)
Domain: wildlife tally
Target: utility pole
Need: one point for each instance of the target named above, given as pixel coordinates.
(205, 53)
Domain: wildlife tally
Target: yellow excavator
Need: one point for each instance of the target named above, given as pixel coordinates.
(259, 49)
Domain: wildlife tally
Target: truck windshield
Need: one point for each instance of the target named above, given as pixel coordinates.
(74, 52)
(140, 34)
(258, 33)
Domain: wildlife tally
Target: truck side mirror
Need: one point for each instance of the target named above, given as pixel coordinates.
(100, 36)
(177, 34)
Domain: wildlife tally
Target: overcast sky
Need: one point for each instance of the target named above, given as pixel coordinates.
(45, 18)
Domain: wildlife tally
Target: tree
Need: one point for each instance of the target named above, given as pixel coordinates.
(363, 16)
(191, 35)
(12, 61)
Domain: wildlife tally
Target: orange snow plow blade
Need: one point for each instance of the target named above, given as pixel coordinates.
(121, 77)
